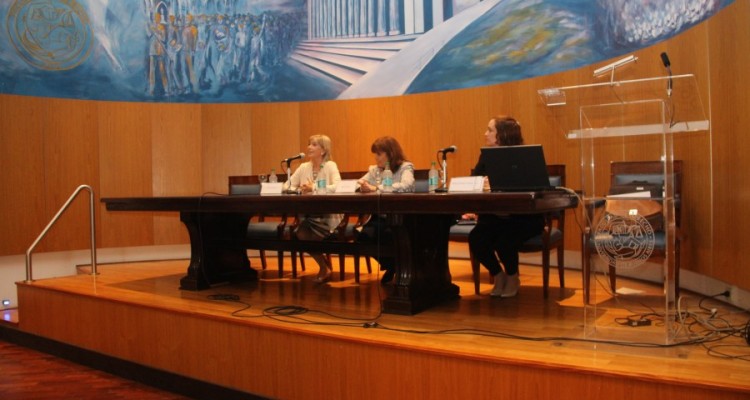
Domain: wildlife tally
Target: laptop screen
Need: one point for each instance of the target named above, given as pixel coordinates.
(515, 168)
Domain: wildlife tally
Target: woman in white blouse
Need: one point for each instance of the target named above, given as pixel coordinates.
(387, 149)
(305, 179)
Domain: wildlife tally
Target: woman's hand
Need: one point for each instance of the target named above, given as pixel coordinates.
(469, 217)
(307, 187)
(365, 187)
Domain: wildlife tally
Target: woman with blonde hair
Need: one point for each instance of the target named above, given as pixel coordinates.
(304, 180)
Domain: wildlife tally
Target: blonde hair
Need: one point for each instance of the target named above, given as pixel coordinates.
(325, 143)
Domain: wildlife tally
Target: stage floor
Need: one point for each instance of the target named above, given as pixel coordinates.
(527, 330)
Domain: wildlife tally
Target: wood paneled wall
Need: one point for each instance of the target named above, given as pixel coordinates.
(50, 146)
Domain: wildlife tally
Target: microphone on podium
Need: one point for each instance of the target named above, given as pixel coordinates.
(668, 66)
(297, 157)
(449, 149)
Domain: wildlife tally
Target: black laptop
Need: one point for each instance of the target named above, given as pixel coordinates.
(516, 168)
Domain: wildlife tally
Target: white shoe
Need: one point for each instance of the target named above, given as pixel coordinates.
(512, 283)
(500, 279)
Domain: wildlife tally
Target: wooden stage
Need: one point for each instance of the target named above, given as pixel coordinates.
(293, 339)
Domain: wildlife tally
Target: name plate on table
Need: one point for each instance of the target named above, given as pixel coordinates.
(271, 187)
(346, 186)
(466, 184)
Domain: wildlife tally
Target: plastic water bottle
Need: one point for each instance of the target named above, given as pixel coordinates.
(433, 177)
(387, 178)
(273, 178)
(320, 183)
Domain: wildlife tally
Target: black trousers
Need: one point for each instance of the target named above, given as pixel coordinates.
(377, 230)
(501, 236)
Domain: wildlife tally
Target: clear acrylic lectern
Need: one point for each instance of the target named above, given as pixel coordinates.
(632, 233)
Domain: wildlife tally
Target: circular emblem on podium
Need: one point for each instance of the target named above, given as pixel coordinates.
(625, 242)
(53, 35)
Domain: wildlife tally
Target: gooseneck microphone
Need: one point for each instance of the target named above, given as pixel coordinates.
(444, 165)
(665, 60)
(288, 183)
(297, 157)
(668, 66)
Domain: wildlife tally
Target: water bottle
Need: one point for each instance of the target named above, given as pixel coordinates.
(320, 183)
(387, 178)
(273, 178)
(378, 178)
(433, 177)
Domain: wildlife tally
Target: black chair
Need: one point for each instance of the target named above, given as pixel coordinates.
(627, 176)
(350, 232)
(552, 237)
(344, 232)
(259, 227)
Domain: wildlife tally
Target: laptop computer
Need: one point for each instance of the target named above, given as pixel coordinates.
(515, 168)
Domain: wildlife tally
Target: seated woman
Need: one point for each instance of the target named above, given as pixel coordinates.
(502, 235)
(304, 179)
(385, 149)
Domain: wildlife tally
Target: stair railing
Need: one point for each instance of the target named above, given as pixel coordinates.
(52, 222)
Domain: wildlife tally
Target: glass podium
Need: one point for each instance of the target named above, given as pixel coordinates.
(631, 193)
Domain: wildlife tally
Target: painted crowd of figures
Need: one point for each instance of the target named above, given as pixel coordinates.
(204, 53)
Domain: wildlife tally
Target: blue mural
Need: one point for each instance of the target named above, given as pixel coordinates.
(226, 51)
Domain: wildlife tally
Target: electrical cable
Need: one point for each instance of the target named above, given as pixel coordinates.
(713, 328)
(293, 314)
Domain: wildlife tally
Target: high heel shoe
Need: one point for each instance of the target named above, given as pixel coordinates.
(325, 278)
(387, 276)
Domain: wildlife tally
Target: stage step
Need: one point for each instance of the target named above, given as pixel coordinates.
(10, 317)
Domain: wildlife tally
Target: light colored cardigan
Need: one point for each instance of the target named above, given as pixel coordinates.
(330, 170)
(403, 179)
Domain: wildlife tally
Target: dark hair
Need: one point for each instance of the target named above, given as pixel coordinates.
(391, 148)
(508, 131)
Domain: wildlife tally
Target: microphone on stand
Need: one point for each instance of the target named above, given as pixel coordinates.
(445, 151)
(297, 157)
(288, 162)
(668, 66)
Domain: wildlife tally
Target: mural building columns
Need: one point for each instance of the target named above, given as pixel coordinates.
(360, 18)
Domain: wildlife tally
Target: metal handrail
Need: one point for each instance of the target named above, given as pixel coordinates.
(52, 222)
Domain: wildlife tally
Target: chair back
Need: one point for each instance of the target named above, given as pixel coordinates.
(244, 188)
(652, 172)
(556, 174)
(352, 174)
(248, 180)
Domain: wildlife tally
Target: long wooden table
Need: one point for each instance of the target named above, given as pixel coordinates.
(217, 226)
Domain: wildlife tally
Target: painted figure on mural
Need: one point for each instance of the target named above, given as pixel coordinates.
(241, 54)
(256, 51)
(201, 50)
(157, 34)
(219, 49)
(189, 45)
(174, 48)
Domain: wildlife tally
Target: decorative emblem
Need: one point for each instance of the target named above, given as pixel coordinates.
(53, 35)
(625, 242)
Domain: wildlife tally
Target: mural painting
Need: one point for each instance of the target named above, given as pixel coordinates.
(227, 51)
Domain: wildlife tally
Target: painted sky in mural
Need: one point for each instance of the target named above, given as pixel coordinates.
(226, 51)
